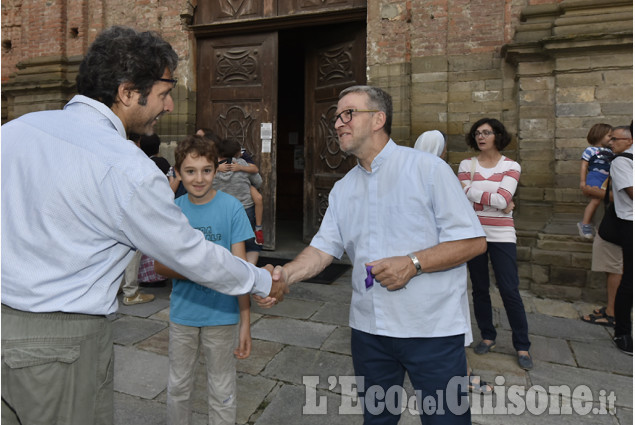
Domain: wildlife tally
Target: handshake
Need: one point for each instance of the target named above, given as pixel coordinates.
(279, 287)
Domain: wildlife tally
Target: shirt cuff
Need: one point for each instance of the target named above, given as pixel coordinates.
(262, 282)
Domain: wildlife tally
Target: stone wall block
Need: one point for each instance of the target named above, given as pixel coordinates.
(539, 274)
(572, 248)
(568, 276)
(429, 64)
(585, 79)
(562, 292)
(539, 83)
(531, 193)
(523, 253)
(575, 94)
(551, 257)
(578, 109)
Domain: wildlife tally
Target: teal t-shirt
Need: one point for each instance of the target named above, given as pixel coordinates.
(223, 221)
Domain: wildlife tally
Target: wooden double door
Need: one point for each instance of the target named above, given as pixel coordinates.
(240, 94)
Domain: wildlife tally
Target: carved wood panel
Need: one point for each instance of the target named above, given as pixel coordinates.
(237, 91)
(335, 62)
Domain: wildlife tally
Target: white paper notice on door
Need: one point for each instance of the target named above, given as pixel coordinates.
(266, 145)
(266, 130)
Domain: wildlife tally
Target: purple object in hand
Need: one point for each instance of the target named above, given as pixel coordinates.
(370, 278)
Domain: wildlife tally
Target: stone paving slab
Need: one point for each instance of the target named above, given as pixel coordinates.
(261, 353)
(163, 315)
(339, 341)
(157, 343)
(129, 330)
(292, 364)
(602, 356)
(251, 391)
(494, 364)
(145, 309)
(545, 419)
(556, 327)
(555, 308)
(291, 331)
(625, 416)
(553, 350)
(286, 409)
(294, 308)
(334, 313)
(548, 374)
(340, 291)
(140, 373)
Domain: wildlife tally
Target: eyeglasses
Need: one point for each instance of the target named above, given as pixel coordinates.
(484, 133)
(347, 115)
(612, 139)
(169, 80)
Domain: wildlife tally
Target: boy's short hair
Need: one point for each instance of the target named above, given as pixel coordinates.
(597, 132)
(228, 148)
(197, 146)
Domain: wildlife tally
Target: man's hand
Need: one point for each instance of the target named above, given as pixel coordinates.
(393, 273)
(279, 288)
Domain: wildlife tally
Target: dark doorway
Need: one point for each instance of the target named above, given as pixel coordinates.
(290, 139)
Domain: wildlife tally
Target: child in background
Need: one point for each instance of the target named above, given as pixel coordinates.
(200, 316)
(250, 168)
(238, 184)
(594, 169)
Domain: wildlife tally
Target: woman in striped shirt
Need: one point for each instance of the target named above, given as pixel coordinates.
(489, 181)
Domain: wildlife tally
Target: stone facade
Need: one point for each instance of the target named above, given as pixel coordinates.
(548, 69)
(43, 43)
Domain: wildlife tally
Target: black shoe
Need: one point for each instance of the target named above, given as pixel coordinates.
(525, 362)
(624, 343)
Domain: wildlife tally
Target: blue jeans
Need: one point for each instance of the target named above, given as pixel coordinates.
(431, 363)
(503, 258)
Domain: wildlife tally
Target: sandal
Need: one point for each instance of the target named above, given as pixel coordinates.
(600, 311)
(480, 387)
(596, 319)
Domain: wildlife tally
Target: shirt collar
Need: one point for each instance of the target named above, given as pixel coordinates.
(101, 108)
(381, 157)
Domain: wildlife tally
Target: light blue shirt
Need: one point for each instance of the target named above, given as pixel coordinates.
(410, 201)
(222, 220)
(622, 176)
(77, 198)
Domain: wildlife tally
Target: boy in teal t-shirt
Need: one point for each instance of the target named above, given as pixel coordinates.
(200, 316)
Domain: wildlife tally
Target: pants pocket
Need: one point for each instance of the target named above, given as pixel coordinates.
(36, 381)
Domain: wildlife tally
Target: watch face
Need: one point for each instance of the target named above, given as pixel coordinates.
(416, 262)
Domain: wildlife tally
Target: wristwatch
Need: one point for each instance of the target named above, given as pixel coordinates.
(416, 262)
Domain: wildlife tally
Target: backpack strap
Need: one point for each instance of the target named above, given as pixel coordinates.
(608, 179)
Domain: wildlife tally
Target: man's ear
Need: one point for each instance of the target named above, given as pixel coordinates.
(125, 94)
(379, 120)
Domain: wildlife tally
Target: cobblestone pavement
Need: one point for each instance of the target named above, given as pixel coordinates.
(301, 348)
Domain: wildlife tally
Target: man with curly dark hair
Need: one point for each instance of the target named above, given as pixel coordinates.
(79, 199)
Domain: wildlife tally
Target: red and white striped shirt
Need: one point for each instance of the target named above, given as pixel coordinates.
(491, 190)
